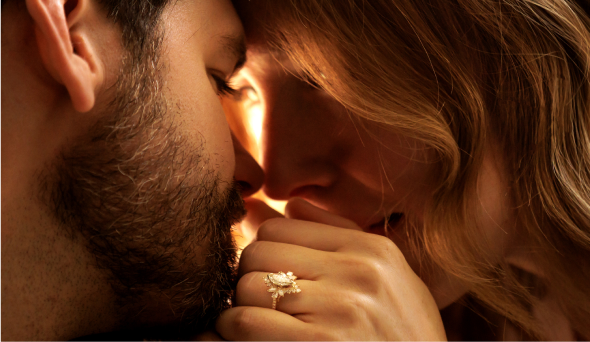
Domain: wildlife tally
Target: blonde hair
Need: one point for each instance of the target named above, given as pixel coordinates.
(453, 74)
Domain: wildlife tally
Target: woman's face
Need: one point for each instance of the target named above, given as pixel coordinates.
(312, 148)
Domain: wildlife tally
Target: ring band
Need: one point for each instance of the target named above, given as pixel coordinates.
(281, 284)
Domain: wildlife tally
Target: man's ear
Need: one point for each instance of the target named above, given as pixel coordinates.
(66, 48)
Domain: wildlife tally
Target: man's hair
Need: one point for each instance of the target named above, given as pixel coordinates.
(137, 19)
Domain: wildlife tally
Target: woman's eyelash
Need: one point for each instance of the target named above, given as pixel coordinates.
(223, 87)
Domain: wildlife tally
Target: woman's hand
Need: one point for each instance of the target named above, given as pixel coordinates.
(354, 285)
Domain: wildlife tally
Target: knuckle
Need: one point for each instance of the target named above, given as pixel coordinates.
(374, 269)
(383, 248)
(270, 227)
(244, 321)
(354, 263)
(244, 286)
(352, 306)
(250, 256)
(351, 302)
(249, 251)
(368, 273)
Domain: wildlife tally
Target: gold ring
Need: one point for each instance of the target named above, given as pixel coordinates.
(281, 284)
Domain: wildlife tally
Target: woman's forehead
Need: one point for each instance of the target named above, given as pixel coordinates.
(259, 21)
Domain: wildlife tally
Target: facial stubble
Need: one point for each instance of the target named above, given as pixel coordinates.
(148, 205)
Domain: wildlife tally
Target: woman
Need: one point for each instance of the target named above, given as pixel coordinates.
(460, 130)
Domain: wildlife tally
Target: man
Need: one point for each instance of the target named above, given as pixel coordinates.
(117, 165)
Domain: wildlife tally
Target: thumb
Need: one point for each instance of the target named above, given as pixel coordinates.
(258, 212)
(300, 209)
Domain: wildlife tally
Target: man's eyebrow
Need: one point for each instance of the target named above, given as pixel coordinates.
(236, 45)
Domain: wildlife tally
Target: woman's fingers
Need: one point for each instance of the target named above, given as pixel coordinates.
(313, 235)
(300, 209)
(253, 323)
(297, 208)
(266, 256)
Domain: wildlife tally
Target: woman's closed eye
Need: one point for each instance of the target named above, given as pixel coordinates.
(223, 87)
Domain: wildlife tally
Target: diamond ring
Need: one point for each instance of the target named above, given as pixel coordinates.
(281, 284)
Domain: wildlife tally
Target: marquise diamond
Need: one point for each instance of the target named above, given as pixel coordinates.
(280, 279)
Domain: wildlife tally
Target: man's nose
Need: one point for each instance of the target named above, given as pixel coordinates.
(248, 173)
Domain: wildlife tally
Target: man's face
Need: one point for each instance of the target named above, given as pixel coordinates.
(150, 186)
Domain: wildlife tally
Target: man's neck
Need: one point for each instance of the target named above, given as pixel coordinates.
(46, 295)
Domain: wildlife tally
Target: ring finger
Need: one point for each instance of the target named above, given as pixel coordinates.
(305, 262)
(252, 291)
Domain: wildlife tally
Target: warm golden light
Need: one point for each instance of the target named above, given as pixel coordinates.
(254, 117)
(246, 120)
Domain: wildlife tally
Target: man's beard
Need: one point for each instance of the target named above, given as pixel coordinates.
(149, 208)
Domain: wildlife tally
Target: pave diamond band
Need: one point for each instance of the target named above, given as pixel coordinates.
(280, 284)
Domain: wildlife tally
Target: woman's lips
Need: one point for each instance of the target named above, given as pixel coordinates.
(379, 228)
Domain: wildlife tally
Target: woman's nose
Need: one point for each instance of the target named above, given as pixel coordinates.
(248, 173)
(295, 146)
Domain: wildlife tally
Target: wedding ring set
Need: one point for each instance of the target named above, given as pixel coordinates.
(281, 284)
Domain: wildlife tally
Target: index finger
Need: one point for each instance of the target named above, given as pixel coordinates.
(300, 209)
(309, 234)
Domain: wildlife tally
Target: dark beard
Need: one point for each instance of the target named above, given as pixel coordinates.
(149, 208)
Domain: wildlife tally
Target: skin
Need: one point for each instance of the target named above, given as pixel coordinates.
(51, 94)
(339, 171)
(349, 173)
